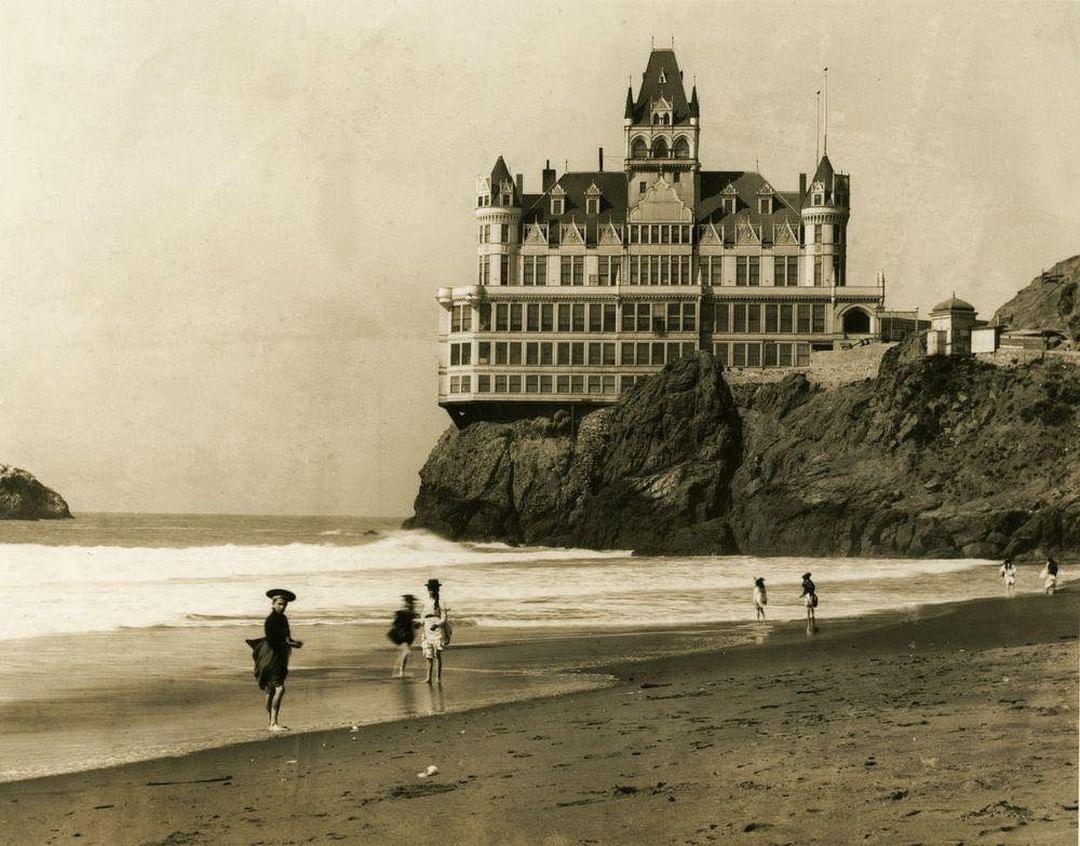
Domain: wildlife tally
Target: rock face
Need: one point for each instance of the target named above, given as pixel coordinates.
(936, 457)
(1051, 301)
(22, 497)
(652, 473)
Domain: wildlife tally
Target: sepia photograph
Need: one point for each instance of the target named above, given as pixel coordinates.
(608, 423)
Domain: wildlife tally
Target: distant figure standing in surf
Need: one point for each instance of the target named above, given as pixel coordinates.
(434, 628)
(1008, 576)
(809, 597)
(271, 654)
(761, 598)
(403, 632)
(1050, 574)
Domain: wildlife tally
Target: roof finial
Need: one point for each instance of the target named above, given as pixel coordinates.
(652, 42)
(673, 42)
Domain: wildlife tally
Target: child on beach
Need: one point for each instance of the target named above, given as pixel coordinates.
(761, 598)
(1050, 573)
(271, 654)
(403, 633)
(1008, 576)
(433, 624)
(809, 597)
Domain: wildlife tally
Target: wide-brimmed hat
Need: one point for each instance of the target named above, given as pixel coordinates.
(287, 595)
(806, 575)
(433, 584)
(408, 597)
(759, 581)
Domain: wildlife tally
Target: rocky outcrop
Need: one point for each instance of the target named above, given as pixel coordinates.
(652, 473)
(1051, 301)
(936, 457)
(22, 497)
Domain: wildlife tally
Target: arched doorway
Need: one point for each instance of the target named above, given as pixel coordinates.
(856, 322)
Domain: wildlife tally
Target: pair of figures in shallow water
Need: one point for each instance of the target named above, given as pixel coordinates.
(271, 652)
(1049, 575)
(433, 624)
(808, 598)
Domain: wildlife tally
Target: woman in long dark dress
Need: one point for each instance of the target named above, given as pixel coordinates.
(271, 654)
(403, 633)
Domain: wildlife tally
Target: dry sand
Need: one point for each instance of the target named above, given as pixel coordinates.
(946, 725)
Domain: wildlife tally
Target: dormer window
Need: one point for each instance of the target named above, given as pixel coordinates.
(558, 200)
(506, 201)
(764, 205)
(727, 205)
(819, 199)
(663, 77)
(592, 200)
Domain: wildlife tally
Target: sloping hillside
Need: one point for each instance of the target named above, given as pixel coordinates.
(1050, 301)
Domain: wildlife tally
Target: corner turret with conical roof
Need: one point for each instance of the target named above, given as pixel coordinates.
(499, 201)
(825, 213)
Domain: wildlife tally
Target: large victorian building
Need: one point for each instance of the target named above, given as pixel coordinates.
(605, 276)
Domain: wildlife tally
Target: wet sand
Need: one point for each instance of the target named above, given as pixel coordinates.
(944, 725)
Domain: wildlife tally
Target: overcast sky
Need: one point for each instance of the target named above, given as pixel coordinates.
(222, 224)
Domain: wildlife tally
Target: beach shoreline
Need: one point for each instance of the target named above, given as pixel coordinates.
(865, 705)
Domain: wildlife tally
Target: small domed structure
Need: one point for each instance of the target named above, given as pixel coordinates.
(954, 303)
(951, 323)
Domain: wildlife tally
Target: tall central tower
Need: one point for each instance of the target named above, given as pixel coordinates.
(661, 129)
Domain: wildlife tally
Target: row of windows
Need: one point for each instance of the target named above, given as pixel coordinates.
(659, 233)
(762, 354)
(577, 317)
(570, 353)
(542, 383)
(536, 383)
(655, 270)
(659, 270)
(770, 318)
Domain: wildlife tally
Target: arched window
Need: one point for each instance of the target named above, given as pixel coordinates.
(660, 149)
(681, 148)
(856, 322)
(639, 149)
(656, 118)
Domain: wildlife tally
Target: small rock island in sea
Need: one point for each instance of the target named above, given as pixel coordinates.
(935, 456)
(22, 497)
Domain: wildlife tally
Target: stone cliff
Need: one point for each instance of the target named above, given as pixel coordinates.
(22, 497)
(936, 457)
(1050, 301)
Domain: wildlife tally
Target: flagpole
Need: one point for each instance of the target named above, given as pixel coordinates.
(817, 132)
(826, 111)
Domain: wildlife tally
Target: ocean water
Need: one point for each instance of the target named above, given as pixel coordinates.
(123, 635)
(110, 572)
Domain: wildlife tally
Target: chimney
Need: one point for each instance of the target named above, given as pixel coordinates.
(547, 177)
(802, 186)
(601, 154)
(520, 181)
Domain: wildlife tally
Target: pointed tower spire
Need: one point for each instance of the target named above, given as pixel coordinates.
(628, 112)
(695, 110)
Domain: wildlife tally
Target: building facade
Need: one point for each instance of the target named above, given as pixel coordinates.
(604, 276)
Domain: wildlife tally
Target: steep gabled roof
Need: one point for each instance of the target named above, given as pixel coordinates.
(613, 191)
(747, 185)
(662, 63)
